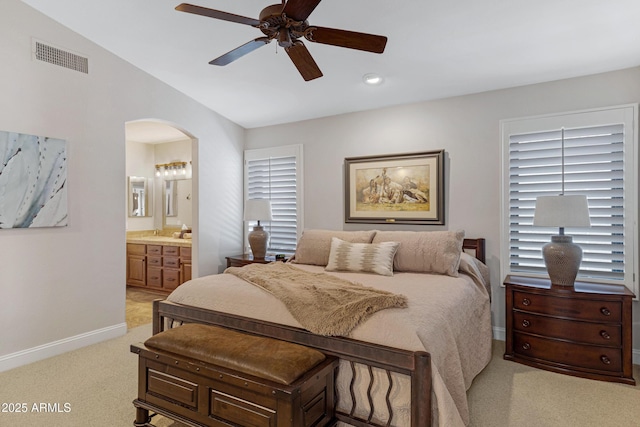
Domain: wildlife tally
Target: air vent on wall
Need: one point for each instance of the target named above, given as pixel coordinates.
(54, 55)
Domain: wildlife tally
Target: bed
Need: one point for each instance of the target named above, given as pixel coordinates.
(402, 366)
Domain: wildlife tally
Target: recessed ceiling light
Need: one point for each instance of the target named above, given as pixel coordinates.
(372, 79)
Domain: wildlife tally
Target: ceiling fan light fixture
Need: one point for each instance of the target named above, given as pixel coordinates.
(372, 79)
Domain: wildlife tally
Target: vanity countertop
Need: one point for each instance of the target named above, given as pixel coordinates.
(159, 240)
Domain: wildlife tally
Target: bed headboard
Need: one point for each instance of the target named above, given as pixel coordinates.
(475, 245)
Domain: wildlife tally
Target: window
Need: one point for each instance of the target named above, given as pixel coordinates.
(599, 162)
(276, 174)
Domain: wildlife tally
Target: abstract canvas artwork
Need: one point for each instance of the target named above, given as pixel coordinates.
(33, 181)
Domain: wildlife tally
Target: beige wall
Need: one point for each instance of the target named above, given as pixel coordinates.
(467, 127)
(65, 287)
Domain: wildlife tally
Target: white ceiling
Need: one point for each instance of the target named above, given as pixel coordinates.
(152, 132)
(436, 49)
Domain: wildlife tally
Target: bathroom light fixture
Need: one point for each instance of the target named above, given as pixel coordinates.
(171, 168)
(372, 79)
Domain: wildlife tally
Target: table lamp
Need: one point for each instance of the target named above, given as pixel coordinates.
(561, 256)
(258, 210)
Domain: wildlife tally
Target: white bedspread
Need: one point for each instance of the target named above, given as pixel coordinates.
(449, 317)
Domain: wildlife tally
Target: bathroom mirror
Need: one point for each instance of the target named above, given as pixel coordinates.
(176, 203)
(139, 196)
(170, 198)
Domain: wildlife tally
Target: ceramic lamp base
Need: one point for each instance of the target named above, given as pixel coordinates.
(258, 238)
(562, 258)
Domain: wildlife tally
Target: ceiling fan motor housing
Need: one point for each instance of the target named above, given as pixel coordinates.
(273, 23)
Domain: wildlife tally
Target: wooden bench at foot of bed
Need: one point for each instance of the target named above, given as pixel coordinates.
(204, 375)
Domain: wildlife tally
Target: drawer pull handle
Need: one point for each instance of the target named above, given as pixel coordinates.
(527, 346)
(526, 323)
(604, 359)
(526, 301)
(605, 335)
(605, 311)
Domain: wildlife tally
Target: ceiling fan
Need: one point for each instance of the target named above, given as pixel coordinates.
(287, 23)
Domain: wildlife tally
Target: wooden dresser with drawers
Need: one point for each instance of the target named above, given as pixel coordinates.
(584, 330)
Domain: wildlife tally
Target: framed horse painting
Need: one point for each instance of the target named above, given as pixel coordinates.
(396, 189)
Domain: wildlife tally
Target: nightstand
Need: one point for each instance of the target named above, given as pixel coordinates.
(244, 259)
(583, 330)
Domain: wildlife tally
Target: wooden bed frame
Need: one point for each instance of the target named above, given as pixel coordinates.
(415, 364)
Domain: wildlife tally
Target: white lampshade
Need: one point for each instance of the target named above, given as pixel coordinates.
(257, 210)
(562, 211)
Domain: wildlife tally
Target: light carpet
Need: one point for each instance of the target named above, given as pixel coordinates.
(94, 386)
(96, 383)
(506, 393)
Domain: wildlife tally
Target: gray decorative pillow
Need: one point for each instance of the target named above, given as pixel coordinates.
(425, 251)
(314, 245)
(362, 257)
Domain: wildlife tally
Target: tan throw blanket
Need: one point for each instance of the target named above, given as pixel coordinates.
(323, 304)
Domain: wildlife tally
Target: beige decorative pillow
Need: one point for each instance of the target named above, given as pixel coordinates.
(314, 245)
(362, 257)
(425, 251)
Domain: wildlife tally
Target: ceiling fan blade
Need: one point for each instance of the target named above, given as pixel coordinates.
(240, 51)
(300, 10)
(348, 39)
(303, 61)
(217, 14)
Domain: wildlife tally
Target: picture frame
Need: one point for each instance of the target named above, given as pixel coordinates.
(395, 189)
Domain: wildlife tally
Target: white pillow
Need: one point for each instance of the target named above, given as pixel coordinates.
(362, 257)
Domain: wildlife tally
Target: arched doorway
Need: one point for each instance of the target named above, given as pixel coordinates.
(161, 201)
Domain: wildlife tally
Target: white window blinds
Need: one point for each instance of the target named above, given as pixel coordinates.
(598, 163)
(275, 174)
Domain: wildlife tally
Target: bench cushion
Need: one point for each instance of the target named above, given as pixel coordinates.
(274, 360)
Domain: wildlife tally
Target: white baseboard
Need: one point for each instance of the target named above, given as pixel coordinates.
(500, 334)
(55, 348)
